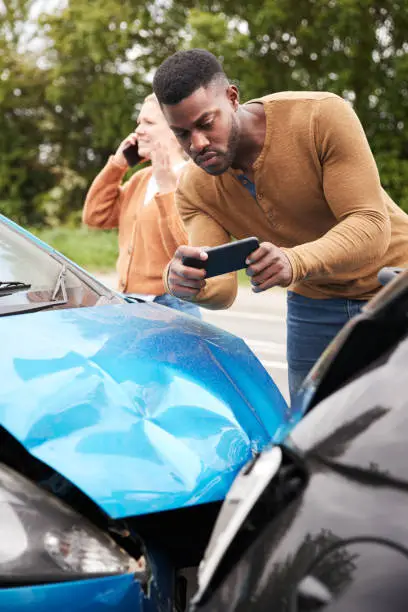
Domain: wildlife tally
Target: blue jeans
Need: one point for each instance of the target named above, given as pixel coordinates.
(311, 326)
(172, 302)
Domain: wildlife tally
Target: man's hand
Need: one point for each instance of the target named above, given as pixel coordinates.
(162, 169)
(185, 282)
(268, 267)
(120, 159)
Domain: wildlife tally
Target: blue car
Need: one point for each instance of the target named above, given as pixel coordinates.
(122, 427)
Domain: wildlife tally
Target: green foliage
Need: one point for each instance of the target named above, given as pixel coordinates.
(23, 119)
(70, 97)
(394, 176)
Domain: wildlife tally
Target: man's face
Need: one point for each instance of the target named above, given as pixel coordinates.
(151, 128)
(206, 126)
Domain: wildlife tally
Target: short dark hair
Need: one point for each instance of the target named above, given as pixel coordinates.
(183, 73)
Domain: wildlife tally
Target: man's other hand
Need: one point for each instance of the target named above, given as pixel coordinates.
(268, 267)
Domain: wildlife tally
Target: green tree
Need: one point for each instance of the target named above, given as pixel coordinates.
(69, 101)
(24, 117)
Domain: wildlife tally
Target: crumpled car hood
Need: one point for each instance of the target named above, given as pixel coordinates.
(142, 408)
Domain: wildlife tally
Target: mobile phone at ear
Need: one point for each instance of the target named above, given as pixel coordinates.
(131, 154)
(225, 258)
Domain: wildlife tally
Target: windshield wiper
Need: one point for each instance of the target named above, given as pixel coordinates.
(10, 287)
(54, 301)
(60, 285)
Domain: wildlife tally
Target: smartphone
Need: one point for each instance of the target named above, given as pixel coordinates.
(131, 154)
(225, 258)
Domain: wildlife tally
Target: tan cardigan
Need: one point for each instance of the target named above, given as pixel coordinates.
(318, 196)
(148, 235)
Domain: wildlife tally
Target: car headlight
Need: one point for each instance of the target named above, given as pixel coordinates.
(43, 540)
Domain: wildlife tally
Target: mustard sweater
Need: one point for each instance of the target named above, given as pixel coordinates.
(319, 197)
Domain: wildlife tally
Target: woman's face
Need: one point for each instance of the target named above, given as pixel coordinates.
(151, 128)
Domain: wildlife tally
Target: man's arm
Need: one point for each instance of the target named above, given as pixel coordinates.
(353, 191)
(203, 231)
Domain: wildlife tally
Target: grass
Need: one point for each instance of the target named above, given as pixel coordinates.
(94, 250)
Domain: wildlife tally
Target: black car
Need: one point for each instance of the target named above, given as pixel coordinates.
(321, 523)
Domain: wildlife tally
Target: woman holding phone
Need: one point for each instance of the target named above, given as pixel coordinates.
(143, 208)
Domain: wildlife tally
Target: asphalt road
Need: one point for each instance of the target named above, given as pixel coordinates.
(257, 318)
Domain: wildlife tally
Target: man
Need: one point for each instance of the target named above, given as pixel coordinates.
(294, 169)
(143, 208)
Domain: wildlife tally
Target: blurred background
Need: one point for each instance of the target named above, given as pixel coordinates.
(73, 74)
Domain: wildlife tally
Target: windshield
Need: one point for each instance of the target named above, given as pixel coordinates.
(33, 276)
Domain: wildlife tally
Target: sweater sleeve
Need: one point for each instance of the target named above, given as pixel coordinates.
(203, 230)
(104, 198)
(353, 192)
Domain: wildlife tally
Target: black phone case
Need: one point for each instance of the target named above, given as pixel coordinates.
(131, 154)
(225, 258)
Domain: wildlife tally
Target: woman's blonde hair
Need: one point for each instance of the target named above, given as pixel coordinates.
(152, 98)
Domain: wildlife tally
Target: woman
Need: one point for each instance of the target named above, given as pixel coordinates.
(143, 208)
